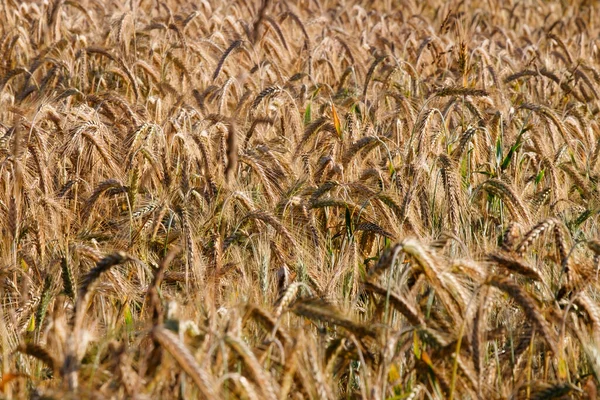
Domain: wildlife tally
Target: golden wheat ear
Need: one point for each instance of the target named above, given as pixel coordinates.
(529, 306)
(234, 45)
(404, 307)
(171, 343)
(534, 233)
(152, 294)
(387, 260)
(510, 236)
(289, 296)
(89, 281)
(515, 263)
(508, 195)
(451, 182)
(269, 323)
(41, 354)
(75, 343)
(257, 372)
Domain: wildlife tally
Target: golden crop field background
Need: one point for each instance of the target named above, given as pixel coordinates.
(326, 199)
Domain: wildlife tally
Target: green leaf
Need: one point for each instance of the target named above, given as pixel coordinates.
(486, 173)
(307, 114)
(31, 324)
(584, 216)
(499, 150)
(416, 345)
(349, 227)
(128, 317)
(540, 176)
(508, 157)
(514, 147)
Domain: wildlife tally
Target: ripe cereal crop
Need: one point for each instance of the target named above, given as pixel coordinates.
(299, 199)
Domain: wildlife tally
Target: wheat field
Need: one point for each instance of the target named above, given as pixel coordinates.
(326, 199)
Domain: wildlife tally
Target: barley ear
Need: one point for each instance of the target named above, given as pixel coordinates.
(170, 342)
